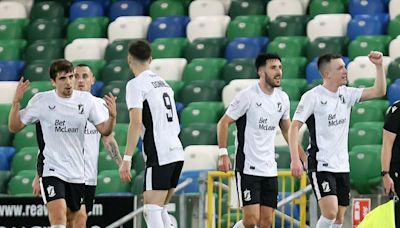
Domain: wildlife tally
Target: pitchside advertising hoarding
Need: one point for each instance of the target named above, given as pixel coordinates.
(30, 212)
(361, 207)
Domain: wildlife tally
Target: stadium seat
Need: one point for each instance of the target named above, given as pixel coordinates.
(138, 184)
(85, 9)
(230, 90)
(246, 7)
(206, 8)
(363, 48)
(205, 48)
(25, 138)
(393, 28)
(11, 70)
(393, 93)
(364, 168)
(105, 162)
(92, 27)
(232, 132)
(245, 47)
(42, 29)
(203, 69)
(394, 49)
(394, 70)
(200, 114)
(394, 9)
(13, 9)
(35, 87)
(288, 25)
(201, 91)
(47, 10)
(312, 73)
(123, 113)
(4, 179)
(364, 25)
(21, 183)
(365, 112)
(293, 67)
(357, 7)
(4, 110)
(6, 136)
(193, 187)
(217, 106)
(168, 68)
(284, 7)
(96, 66)
(239, 70)
(327, 7)
(126, 8)
(11, 49)
(108, 181)
(167, 27)
(25, 159)
(364, 133)
(8, 91)
(247, 26)
(324, 45)
(10, 29)
(26, 3)
(207, 27)
(46, 50)
(384, 39)
(104, 3)
(86, 48)
(116, 70)
(361, 67)
(128, 27)
(200, 157)
(294, 88)
(328, 25)
(165, 8)
(117, 88)
(119, 133)
(282, 157)
(118, 49)
(176, 86)
(6, 154)
(168, 47)
(287, 46)
(199, 134)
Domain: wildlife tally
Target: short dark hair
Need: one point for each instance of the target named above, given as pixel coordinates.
(262, 58)
(60, 65)
(83, 65)
(140, 50)
(326, 58)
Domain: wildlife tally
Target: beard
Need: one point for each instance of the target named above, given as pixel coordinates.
(271, 81)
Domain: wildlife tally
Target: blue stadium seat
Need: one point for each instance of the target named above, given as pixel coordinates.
(245, 47)
(104, 3)
(97, 88)
(11, 70)
(357, 7)
(364, 25)
(126, 8)
(165, 27)
(312, 72)
(86, 9)
(193, 187)
(394, 92)
(6, 156)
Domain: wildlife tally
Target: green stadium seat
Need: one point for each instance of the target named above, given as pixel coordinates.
(138, 184)
(365, 168)
(105, 162)
(120, 132)
(327, 7)
(294, 88)
(247, 26)
(385, 39)
(64, 3)
(116, 70)
(47, 10)
(363, 47)
(394, 70)
(45, 50)
(6, 137)
(118, 49)
(117, 88)
(42, 29)
(364, 133)
(35, 87)
(199, 114)
(203, 69)
(232, 149)
(245, 7)
(293, 107)
(324, 45)
(288, 25)
(294, 67)
(123, 113)
(168, 47)
(239, 70)
(4, 178)
(25, 138)
(4, 110)
(216, 105)
(176, 86)
(288, 46)
(11, 49)
(95, 65)
(90, 27)
(394, 27)
(199, 134)
(282, 157)
(138, 163)
(164, 8)
(24, 160)
(37, 71)
(201, 91)
(206, 48)
(285, 183)
(10, 30)
(368, 82)
(21, 184)
(108, 181)
(365, 112)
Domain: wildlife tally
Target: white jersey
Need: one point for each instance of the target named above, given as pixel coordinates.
(63, 123)
(160, 130)
(327, 116)
(257, 117)
(92, 147)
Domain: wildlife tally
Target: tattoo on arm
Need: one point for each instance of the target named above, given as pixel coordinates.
(113, 151)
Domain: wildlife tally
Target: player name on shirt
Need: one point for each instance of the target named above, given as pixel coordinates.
(158, 84)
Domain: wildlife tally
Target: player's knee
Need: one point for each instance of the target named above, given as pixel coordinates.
(330, 214)
(266, 222)
(339, 220)
(80, 220)
(250, 220)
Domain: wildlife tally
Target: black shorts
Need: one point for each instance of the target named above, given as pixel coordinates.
(162, 177)
(328, 183)
(90, 191)
(257, 190)
(53, 188)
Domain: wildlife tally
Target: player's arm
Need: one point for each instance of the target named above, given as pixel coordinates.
(14, 119)
(111, 146)
(224, 163)
(379, 87)
(134, 131)
(386, 155)
(105, 128)
(285, 126)
(296, 166)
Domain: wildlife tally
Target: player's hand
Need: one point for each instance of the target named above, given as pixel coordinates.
(297, 168)
(388, 184)
(125, 171)
(36, 186)
(224, 164)
(111, 104)
(22, 87)
(376, 57)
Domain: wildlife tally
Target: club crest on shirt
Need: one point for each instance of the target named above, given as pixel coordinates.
(341, 97)
(279, 106)
(80, 109)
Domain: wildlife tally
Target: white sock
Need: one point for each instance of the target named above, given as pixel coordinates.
(57, 226)
(152, 216)
(337, 225)
(239, 224)
(324, 222)
(166, 219)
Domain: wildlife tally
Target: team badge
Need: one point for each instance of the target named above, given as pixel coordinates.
(80, 109)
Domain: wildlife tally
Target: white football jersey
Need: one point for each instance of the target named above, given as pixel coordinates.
(327, 115)
(160, 130)
(257, 117)
(63, 123)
